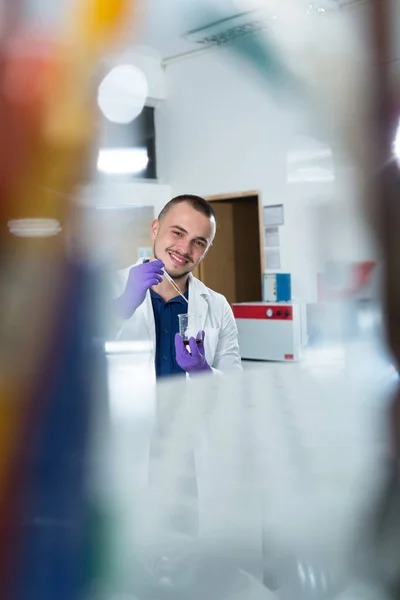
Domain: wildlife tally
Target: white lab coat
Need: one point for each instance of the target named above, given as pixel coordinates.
(221, 338)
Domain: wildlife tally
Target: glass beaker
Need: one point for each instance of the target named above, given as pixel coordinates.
(190, 325)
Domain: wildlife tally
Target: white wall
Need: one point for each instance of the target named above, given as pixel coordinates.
(211, 127)
(221, 131)
(150, 66)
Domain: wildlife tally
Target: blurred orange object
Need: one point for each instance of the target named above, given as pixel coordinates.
(98, 23)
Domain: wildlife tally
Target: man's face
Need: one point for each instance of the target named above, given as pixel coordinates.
(182, 239)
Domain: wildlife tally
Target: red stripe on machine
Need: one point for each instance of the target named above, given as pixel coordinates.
(257, 311)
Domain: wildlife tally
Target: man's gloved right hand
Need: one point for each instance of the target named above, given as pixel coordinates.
(140, 279)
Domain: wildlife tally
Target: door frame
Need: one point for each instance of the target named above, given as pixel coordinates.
(232, 196)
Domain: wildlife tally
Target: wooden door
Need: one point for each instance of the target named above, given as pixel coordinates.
(233, 266)
(217, 270)
(247, 252)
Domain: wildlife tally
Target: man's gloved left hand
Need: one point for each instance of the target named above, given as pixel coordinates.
(192, 362)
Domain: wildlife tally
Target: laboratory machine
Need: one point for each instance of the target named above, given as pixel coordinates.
(271, 331)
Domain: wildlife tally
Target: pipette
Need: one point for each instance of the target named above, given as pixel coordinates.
(172, 282)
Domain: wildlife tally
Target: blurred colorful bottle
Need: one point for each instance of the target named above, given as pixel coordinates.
(52, 372)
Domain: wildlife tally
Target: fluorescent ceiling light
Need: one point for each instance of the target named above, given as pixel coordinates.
(122, 161)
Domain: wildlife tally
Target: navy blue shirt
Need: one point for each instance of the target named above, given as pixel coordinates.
(167, 326)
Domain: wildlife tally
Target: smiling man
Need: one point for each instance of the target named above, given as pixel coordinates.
(149, 305)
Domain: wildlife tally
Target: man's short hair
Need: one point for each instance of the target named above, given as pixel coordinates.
(196, 202)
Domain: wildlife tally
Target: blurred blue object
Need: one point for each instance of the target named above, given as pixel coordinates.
(56, 545)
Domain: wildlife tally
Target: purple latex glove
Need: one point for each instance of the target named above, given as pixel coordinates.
(140, 279)
(192, 362)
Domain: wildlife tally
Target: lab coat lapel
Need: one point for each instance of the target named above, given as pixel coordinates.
(148, 316)
(198, 299)
(147, 311)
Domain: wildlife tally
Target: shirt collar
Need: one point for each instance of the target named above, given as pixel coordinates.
(177, 299)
